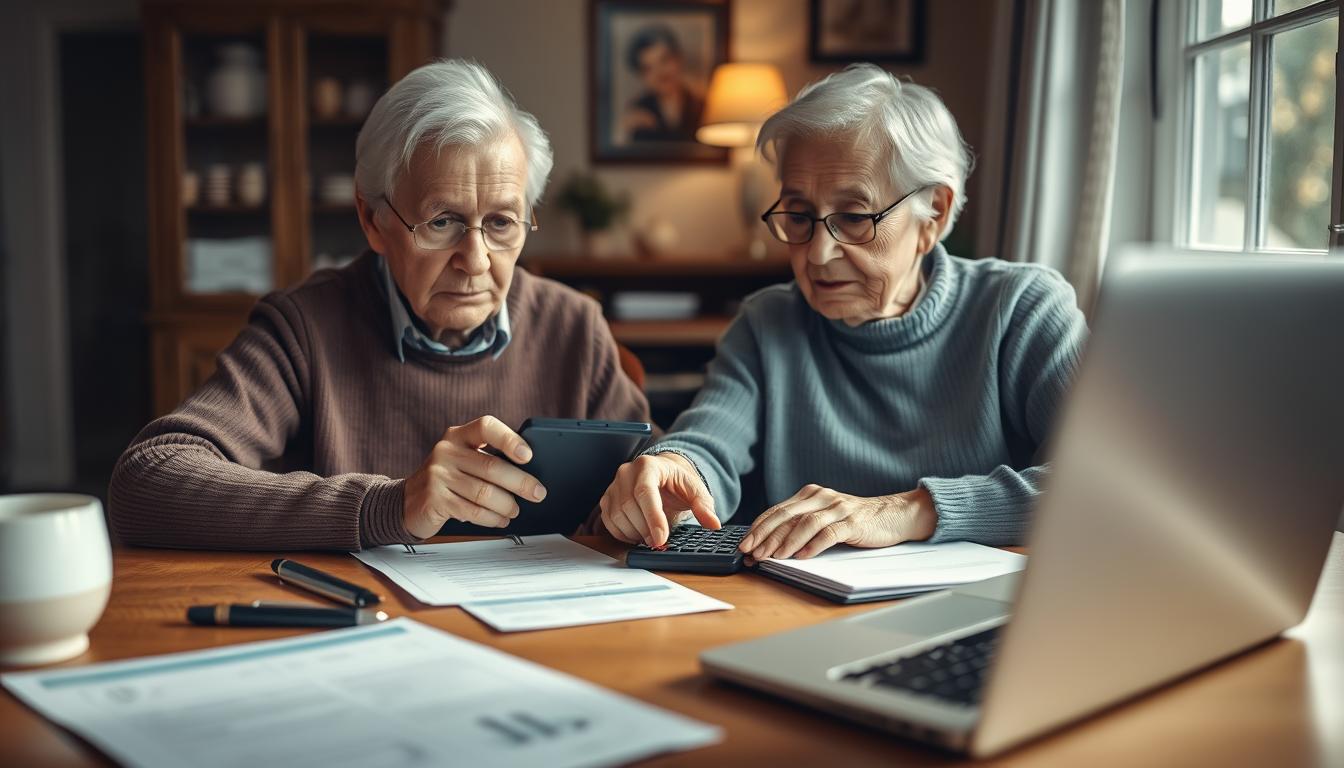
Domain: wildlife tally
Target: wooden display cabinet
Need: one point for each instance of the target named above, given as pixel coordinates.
(232, 98)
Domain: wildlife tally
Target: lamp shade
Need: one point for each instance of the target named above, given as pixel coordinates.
(741, 96)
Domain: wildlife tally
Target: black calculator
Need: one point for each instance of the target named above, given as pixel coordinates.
(693, 549)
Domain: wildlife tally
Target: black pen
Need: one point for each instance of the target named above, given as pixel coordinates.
(261, 614)
(324, 584)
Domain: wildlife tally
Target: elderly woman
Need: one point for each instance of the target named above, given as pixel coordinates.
(892, 392)
(352, 409)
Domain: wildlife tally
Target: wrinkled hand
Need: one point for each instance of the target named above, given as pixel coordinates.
(650, 494)
(460, 481)
(815, 519)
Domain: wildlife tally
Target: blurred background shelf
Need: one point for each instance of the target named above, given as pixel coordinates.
(333, 209)
(696, 332)
(673, 350)
(343, 121)
(718, 284)
(217, 121)
(226, 210)
(689, 266)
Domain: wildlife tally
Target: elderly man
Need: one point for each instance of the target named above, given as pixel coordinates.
(892, 392)
(355, 409)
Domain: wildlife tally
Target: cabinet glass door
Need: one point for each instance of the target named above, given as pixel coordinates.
(225, 185)
(343, 72)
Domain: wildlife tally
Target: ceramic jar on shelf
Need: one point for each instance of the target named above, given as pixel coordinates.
(337, 189)
(327, 98)
(218, 185)
(251, 185)
(237, 86)
(190, 189)
(359, 98)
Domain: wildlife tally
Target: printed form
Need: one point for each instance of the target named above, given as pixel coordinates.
(394, 695)
(541, 583)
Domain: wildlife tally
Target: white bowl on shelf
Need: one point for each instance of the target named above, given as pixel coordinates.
(337, 189)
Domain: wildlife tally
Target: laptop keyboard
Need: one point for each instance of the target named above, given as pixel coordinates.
(953, 671)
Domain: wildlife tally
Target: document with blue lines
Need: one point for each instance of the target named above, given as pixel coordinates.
(396, 694)
(538, 582)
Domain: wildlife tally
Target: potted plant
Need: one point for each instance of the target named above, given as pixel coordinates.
(594, 207)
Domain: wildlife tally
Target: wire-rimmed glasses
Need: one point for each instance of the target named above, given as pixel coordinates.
(797, 228)
(500, 232)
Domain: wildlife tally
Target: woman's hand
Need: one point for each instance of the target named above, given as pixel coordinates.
(459, 481)
(652, 492)
(816, 519)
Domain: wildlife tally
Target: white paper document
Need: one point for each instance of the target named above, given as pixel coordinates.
(905, 569)
(395, 695)
(544, 582)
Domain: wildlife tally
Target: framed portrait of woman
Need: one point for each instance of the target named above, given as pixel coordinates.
(650, 63)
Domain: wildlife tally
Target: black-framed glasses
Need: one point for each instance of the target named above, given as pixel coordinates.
(850, 228)
(499, 232)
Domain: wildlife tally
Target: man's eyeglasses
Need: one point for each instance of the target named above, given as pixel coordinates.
(849, 228)
(500, 232)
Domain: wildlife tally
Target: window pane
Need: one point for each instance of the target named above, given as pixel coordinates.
(1302, 131)
(1219, 146)
(1218, 16)
(1284, 6)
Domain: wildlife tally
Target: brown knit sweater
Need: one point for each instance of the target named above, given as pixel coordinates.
(300, 437)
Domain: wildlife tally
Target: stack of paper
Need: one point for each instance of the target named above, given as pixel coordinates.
(655, 305)
(850, 575)
(394, 694)
(537, 582)
(231, 264)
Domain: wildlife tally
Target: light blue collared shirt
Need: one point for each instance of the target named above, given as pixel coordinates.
(493, 335)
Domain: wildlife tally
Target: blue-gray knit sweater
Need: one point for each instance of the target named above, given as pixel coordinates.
(959, 394)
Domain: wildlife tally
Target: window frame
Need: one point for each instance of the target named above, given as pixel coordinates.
(1174, 158)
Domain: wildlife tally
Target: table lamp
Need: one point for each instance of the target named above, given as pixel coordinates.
(741, 96)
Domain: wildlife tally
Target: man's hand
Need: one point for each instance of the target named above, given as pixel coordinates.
(650, 494)
(460, 481)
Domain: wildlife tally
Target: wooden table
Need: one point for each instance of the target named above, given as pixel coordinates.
(1282, 704)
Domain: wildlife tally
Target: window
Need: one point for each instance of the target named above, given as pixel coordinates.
(1259, 145)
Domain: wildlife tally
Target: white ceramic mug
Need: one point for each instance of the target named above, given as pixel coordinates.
(55, 575)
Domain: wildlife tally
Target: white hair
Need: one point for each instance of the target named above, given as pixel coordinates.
(451, 102)
(908, 124)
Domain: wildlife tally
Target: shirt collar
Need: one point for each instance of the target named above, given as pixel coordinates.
(493, 335)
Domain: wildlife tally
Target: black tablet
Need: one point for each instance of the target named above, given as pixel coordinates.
(575, 459)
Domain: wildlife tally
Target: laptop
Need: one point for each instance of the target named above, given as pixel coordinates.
(1197, 475)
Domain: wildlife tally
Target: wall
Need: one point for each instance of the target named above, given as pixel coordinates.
(37, 420)
(539, 51)
(38, 427)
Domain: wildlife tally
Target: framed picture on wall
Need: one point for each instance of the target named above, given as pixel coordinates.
(651, 61)
(868, 30)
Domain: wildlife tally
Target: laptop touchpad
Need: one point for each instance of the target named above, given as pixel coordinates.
(936, 614)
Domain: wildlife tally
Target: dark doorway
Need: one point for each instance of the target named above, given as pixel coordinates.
(4, 356)
(105, 223)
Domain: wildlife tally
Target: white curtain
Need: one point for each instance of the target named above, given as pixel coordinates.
(1059, 66)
